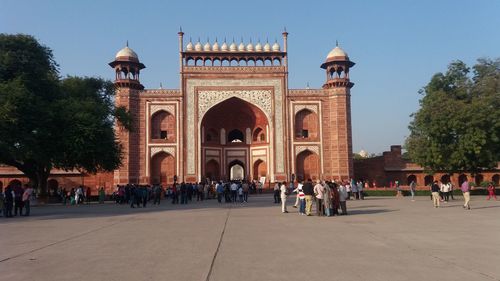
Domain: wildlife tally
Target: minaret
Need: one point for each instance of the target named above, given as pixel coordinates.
(337, 134)
(128, 86)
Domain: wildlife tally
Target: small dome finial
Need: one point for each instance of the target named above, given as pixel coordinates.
(180, 28)
(336, 43)
(126, 44)
(307, 86)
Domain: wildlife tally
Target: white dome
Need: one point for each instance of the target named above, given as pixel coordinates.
(207, 47)
(241, 47)
(224, 47)
(363, 153)
(215, 47)
(276, 47)
(233, 47)
(126, 52)
(250, 47)
(258, 47)
(336, 52)
(267, 47)
(198, 47)
(189, 46)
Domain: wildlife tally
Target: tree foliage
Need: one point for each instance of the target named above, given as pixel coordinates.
(47, 122)
(457, 127)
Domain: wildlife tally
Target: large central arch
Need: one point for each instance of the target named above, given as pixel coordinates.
(227, 136)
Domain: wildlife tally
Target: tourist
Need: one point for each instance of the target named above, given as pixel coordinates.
(276, 192)
(300, 199)
(452, 187)
(319, 191)
(308, 194)
(446, 191)
(246, 189)
(435, 194)
(260, 186)
(348, 190)
(9, 200)
(199, 192)
(234, 191)
(466, 193)
(220, 191)
(327, 200)
(28, 191)
(413, 188)
(156, 194)
(354, 190)
(184, 193)
(335, 198)
(398, 189)
(240, 194)
(283, 195)
(102, 195)
(18, 199)
(360, 190)
(175, 194)
(79, 195)
(343, 195)
(64, 195)
(298, 190)
(491, 192)
(206, 188)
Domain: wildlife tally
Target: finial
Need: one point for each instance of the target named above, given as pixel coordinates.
(198, 38)
(224, 39)
(208, 39)
(126, 43)
(190, 39)
(241, 39)
(161, 85)
(215, 39)
(336, 43)
(284, 29)
(180, 28)
(307, 86)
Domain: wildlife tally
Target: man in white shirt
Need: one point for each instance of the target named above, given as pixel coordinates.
(319, 191)
(283, 195)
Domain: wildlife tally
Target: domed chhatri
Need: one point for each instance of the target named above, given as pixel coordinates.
(215, 46)
(198, 46)
(189, 46)
(233, 47)
(127, 52)
(337, 52)
(241, 47)
(258, 47)
(276, 47)
(224, 47)
(207, 47)
(267, 47)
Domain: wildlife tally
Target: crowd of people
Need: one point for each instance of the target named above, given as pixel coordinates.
(15, 200)
(183, 193)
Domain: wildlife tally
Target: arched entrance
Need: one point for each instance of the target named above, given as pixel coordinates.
(163, 126)
(428, 180)
(234, 122)
(236, 171)
(307, 165)
(15, 183)
(410, 179)
(162, 168)
(52, 186)
(212, 170)
(259, 169)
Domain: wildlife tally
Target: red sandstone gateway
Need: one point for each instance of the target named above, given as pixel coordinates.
(233, 117)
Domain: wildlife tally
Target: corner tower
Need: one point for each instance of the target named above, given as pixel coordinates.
(337, 121)
(127, 69)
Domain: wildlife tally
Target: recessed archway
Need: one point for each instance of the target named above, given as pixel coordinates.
(308, 165)
(236, 170)
(259, 169)
(212, 170)
(162, 168)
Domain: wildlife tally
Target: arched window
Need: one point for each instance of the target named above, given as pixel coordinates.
(235, 136)
(306, 124)
(212, 136)
(428, 180)
(259, 135)
(163, 126)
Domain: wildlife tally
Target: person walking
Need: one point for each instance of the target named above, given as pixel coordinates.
(297, 190)
(360, 190)
(354, 190)
(276, 192)
(240, 194)
(283, 195)
(301, 199)
(9, 200)
(18, 199)
(308, 194)
(466, 193)
(319, 191)
(343, 195)
(491, 192)
(102, 195)
(413, 188)
(88, 195)
(246, 189)
(28, 191)
(327, 200)
(435, 194)
(220, 191)
(234, 191)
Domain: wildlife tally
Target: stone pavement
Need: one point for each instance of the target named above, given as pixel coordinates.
(382, 239)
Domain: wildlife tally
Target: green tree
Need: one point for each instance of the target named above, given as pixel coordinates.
(47, 122)
(457, 127)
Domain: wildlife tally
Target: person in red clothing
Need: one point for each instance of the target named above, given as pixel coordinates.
(491, 192)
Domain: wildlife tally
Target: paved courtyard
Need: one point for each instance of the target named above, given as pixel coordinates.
(382, 239)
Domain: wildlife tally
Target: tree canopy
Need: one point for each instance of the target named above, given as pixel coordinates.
(457, 127)
(47, 122)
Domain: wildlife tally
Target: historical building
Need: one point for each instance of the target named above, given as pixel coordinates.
(391, 166)
(234, 117)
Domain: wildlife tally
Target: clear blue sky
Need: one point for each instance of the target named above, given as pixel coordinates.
(397, 45)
